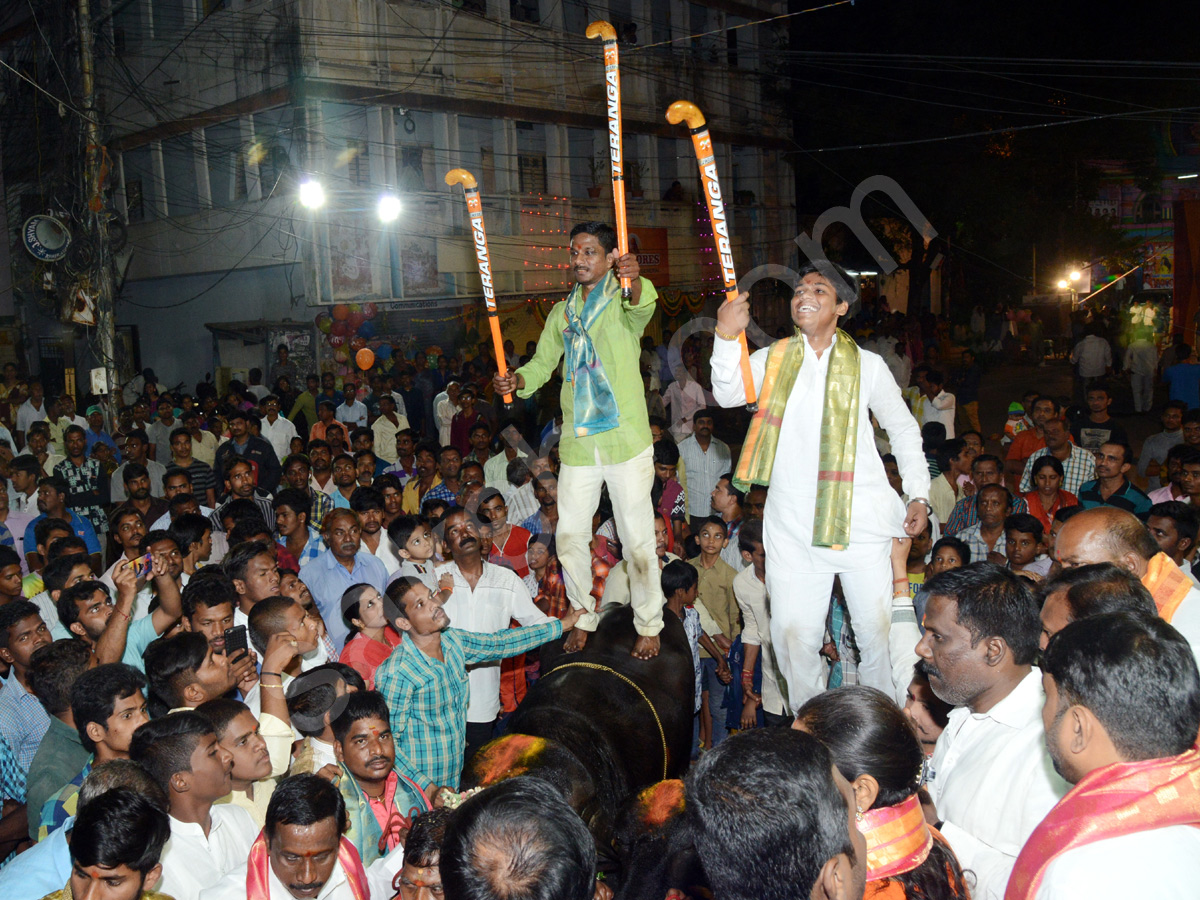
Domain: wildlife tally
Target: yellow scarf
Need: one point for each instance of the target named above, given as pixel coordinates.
(839, 432)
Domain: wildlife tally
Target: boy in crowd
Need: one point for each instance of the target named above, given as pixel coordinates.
(251, 568)
(314, 700)
(52, 671)
(116, 845)
(295, 534)
(548, 590)
(750, 592)
(719, 619)
(193, 535)
(10, 575)
(1024, 546)
(183, 672)
(680, 583)
(108, 705)
(413, 539)
(208, 839)
(916, 570)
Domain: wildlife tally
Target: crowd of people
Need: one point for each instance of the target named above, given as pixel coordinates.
(252, 639)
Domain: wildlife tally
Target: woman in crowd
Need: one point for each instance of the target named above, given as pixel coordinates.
(1048, 497)
(371, 638)
(876, 750)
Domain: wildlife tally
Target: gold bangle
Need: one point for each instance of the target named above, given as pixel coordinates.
(723, 336)
(278, 687)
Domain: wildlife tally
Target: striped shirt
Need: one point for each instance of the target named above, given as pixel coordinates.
(965, 513)
(428, 697)
(704, 470)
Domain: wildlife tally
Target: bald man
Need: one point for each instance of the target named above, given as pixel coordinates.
(1106, 535)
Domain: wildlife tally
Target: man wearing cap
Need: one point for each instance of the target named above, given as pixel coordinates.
(96, 433)
(256, 450)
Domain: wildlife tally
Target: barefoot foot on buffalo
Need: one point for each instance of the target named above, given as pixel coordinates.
(575, 641)
(646, 647)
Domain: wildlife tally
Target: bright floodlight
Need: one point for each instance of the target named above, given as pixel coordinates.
(1062, 284)
(389, 208)
(312, 194)
(1075, 275)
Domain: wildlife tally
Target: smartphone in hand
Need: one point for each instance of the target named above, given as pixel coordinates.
(235, 641)
(142, 566)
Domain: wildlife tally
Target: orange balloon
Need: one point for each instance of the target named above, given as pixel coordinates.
(365, 358)
(341, 311)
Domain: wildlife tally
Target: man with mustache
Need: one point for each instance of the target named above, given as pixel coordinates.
(301, 852)
(606, 428)
(486, 599)
(993, 780)
(380, 802)
(344, 564)
(425, 679)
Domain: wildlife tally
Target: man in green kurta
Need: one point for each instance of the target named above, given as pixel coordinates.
(606, 432)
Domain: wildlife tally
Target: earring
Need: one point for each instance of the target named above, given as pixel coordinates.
(858, 814)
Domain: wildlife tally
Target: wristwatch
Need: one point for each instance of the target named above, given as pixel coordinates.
(924, 503)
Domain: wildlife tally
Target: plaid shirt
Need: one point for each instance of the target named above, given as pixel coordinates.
(428, 699)
(321, 504)
(23, 721)
(965, 514)
(973, 538)
(1079, 468)
(12, 776)
(441, 492)
(85, 483)
(312, 548)
(552, 590)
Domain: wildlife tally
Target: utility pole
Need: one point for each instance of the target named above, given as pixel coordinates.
(95, 216)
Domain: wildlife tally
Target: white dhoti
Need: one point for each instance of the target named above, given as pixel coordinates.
(800, 576)
(799, 584)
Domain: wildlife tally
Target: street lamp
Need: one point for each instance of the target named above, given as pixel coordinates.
(312, 195)
(388, 209)
(1062, 284)
(1075, 275)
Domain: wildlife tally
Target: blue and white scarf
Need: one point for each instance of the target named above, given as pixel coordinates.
(595, 406)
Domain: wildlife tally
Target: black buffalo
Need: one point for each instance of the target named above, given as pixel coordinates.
(591, 726)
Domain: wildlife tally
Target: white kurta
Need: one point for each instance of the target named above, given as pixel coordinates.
(799, 575)
(499, 597)
(192, 862)
(877, 514)
(994, 783)
(1163, 863)
(233, 886)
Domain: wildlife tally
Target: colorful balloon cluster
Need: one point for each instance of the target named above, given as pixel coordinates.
(347, 328)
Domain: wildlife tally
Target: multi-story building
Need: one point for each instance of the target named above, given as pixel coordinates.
(217, 110)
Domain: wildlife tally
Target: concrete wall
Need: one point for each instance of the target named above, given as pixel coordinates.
(175, 343)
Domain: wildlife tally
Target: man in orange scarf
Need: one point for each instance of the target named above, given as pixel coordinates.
(1105, 534)
(300, 852)
(1121, 716)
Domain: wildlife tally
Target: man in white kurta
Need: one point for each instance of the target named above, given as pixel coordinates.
(799, 576)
